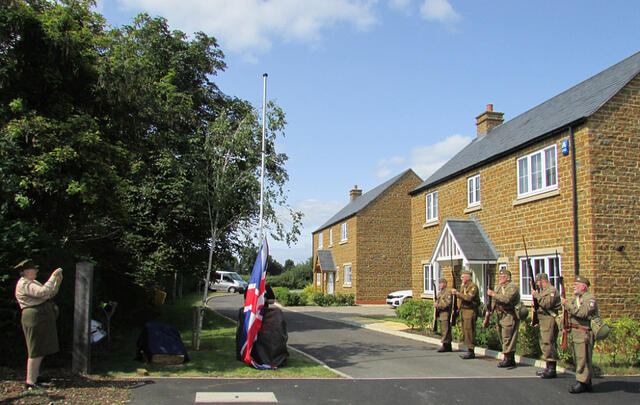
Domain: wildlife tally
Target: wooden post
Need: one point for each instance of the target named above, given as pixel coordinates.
(81, 353)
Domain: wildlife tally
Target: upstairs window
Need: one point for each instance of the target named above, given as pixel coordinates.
(330, 237)
(473, 191)
(538, 172)
(432, 206)
(344, 234)
(320, 241)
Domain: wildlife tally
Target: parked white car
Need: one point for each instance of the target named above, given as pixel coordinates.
(396, 298)
(228, 281)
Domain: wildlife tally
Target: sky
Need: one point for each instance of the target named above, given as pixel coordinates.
(371, 88)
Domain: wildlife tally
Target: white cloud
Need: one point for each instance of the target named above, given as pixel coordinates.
(424, 160)
(439, 10)
(253, 25)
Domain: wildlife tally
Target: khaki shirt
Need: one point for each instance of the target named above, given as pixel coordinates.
(443, 302)
(468, 294)
(549, 301)
(31, 293)
(506, 297)
(582, 308)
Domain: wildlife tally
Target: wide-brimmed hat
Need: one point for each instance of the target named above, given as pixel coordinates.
(26, 264)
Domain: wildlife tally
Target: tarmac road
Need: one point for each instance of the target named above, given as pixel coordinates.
(384, 369)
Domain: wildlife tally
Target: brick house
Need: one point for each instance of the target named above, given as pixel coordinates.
(564, 177)
(365, 248)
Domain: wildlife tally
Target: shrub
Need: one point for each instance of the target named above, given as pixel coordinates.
(623, 342)
(280, 293)
(528, 340)
(345, 299)
(417, 314)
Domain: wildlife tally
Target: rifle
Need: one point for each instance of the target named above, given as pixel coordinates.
(489, 310)
(566, 326)
(435, 308)
(532, 284)
(454, 301)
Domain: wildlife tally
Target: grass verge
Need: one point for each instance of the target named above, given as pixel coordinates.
(216, 357)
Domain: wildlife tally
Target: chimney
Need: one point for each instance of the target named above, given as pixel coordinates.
(355, 193)
(488, 120)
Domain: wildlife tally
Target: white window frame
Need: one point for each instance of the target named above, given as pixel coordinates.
(428, 275)
(344, 232)
(320, 241)
(431, 206)
(330, 237)
(473, 191)
(319, 278)
(347, 275)
(537, 172)
(540, 264)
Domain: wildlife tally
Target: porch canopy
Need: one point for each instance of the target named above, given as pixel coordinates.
(465, 240)
(325, 261)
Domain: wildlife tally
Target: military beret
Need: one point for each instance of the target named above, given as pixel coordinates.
(542, 276)
(26, 264)
(505, 272)
(442, 280)
(583, 279)
(468, 272)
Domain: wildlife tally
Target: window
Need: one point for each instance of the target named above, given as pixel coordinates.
(540, 264)
(320, 241)
(343, 232)
(347, 274)
(538, 172)
(432, 206)
(330, 237)
(473, 190)
(429, 277)
(319, 279)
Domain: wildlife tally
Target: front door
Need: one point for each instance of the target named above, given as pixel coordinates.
(330, 282)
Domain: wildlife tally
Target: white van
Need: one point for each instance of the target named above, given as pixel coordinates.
(228, 281)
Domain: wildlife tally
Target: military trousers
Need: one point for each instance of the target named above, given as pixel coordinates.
(508, 326)
(469, 317)
(583, 352)
(548, 337)
(444, 319)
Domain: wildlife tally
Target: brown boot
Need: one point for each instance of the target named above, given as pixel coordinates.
(509, 361)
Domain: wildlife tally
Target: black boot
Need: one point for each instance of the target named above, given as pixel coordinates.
(446, 347)
(578, 388)
(470, 354)
(540, 372)
(550, 372)
(509, 361)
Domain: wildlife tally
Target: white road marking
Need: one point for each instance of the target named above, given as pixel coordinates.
(235, 397)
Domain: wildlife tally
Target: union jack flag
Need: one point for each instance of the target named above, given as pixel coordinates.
(254, 306)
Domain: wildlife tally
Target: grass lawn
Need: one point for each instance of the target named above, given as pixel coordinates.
(216, 357)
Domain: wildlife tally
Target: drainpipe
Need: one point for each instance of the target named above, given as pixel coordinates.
(574, 181)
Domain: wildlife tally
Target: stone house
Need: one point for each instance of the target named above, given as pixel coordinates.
(563, 177)
(365, 248)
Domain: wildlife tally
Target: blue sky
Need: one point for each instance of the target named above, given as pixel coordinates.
(371, 88)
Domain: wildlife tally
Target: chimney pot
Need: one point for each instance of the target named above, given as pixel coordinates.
(355, 193)
(488, 120)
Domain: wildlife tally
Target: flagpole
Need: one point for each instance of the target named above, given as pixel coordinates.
(264, 109)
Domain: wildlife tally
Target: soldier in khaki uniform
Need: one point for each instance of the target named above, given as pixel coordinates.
(505, 298)
(549, 307)
(582, 309)
(469, 304)
(443, 305)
